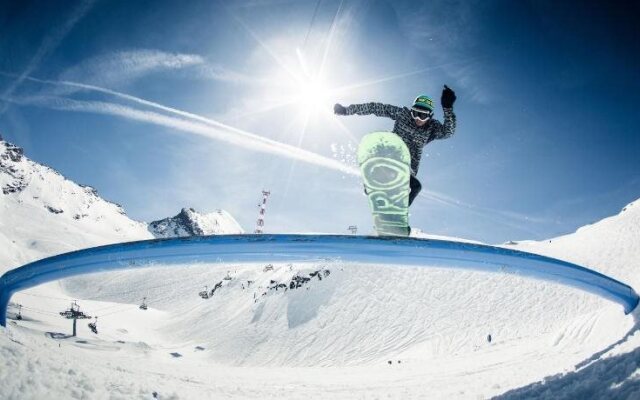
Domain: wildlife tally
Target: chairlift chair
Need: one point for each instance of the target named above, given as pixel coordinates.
(93, 326)
(205, 293)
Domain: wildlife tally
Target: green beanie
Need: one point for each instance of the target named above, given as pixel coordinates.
(423, 102)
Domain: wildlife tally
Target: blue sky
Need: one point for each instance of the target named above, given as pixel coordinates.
(163, 104)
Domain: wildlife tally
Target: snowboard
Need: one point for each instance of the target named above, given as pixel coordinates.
(385, 164)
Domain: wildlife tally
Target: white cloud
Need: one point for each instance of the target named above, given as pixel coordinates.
(220, 73)
(117, 69)
(124, 66)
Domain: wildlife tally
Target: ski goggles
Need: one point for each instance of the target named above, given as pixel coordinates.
(421, 115)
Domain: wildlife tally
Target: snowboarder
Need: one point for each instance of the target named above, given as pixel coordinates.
(416, 125)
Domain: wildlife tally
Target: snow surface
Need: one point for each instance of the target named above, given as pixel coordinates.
(362, 331)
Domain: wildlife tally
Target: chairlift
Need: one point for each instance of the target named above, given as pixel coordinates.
(205, 293)
(143, 306)
(73, 312)
(93, 326)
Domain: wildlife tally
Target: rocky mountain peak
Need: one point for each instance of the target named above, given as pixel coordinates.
(190, 222)
(10, 155)
(11, 151)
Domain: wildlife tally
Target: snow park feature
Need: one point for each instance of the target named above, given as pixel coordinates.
(301, 248)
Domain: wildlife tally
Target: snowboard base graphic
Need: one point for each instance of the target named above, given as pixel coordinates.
(385, 163)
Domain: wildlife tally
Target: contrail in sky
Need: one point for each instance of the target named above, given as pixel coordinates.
(189, 122)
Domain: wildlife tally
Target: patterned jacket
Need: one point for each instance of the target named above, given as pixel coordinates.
(416, 137)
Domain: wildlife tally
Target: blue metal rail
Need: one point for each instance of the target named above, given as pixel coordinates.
(290, 248)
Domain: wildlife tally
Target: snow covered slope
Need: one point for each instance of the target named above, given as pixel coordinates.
(191, 223)
(610, 246)
(42, 213)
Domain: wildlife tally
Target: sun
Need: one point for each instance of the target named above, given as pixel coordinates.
(313, 94)
(305, 91)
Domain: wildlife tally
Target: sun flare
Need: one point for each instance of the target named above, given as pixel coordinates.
(313, 95)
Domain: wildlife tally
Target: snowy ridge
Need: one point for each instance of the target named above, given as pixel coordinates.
(610, 246)
(191, 223)
(42, 213)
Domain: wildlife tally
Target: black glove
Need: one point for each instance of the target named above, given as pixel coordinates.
(338, 109)
(448, 97)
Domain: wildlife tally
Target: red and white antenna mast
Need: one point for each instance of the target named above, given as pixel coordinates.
(263, 209)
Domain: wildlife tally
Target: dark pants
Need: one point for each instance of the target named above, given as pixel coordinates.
(414, 185)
